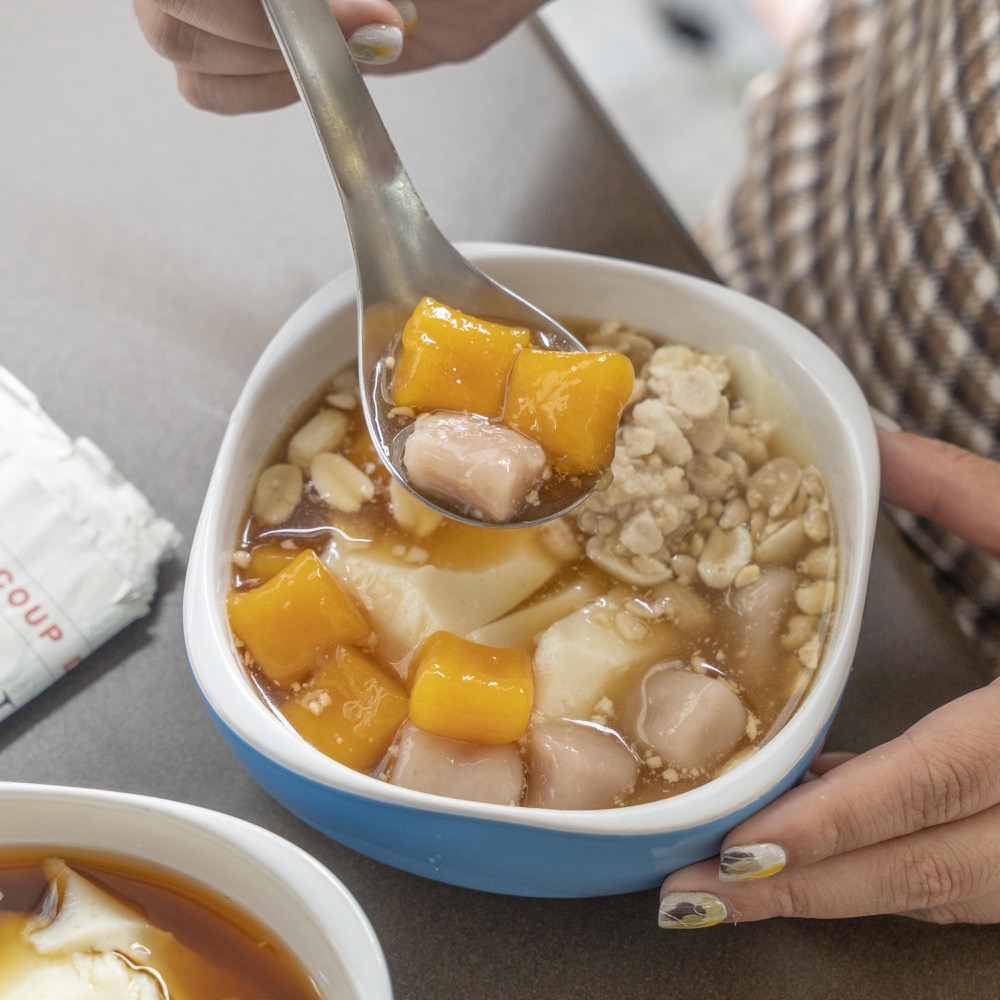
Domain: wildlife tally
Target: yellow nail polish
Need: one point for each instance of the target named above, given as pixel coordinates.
(408, 12)
(744, 863)
(691, 910)
(376, 44)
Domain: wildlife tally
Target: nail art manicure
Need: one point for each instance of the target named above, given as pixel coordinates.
(741, 864)
(883, 420)
(408, 12)
(376, 44)
(691, 910)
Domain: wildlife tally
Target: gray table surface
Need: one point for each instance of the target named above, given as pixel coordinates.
(148, 252)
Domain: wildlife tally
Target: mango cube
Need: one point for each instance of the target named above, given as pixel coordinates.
(350, 709)
(452, 361)
(570, 403)
(466, 691)
(297, 615)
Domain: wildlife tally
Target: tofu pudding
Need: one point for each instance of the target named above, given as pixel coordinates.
(624, 653)
(91, 926)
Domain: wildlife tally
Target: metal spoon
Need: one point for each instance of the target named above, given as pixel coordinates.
(400, 254)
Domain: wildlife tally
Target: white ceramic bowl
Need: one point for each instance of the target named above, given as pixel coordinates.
(508, 849)
(281, 886)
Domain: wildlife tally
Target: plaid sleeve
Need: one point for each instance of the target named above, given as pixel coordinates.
(868, 209)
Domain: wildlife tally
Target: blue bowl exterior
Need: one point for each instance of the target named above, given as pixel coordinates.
(490, 855)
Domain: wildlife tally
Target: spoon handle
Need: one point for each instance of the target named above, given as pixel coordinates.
(400, 254)
(393, 236)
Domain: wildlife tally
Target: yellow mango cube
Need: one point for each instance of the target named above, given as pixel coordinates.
(466, 691)
(296, 616)
(570, 403)
(350, 709)
(451, 361)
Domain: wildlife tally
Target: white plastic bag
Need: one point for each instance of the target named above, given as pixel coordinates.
(79, 548)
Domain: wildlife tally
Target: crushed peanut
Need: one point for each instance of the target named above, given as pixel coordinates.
(340, 483)
(279, 488)
(697, 495)
(325, 431)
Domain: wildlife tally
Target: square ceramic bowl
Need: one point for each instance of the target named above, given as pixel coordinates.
(286, 890)
(509, 849)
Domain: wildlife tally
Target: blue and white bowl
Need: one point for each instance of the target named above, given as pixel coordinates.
(508, 849)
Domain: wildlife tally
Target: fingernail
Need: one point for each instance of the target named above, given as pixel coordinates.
(691, 910)
(883, 420)
(376, 44)
(408, 12)
(740, 864)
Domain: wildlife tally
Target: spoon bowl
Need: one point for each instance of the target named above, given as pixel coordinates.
(400, 254)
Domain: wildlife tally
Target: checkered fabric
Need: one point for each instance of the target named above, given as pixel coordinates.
(869, 209)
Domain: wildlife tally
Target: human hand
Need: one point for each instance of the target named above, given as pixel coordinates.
(911, 827)
(227, 59)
